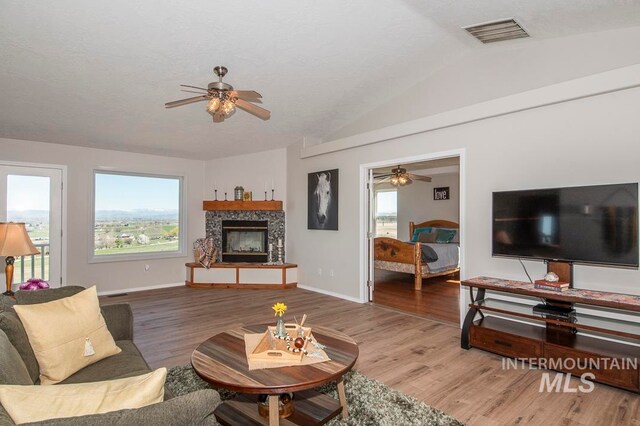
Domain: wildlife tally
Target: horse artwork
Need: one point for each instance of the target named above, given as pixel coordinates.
(322, 203)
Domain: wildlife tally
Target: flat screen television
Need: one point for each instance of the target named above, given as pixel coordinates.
(586, 224)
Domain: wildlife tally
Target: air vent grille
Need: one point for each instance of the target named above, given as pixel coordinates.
(502, 30)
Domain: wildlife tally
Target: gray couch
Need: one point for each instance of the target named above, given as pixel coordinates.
(18, 366)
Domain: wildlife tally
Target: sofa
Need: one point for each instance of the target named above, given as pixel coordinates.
(192, 409)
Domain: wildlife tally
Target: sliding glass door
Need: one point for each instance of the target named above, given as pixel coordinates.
(33, 195)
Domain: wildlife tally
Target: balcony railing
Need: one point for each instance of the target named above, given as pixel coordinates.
(26, 267)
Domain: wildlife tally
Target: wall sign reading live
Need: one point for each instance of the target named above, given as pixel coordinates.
(441, 193)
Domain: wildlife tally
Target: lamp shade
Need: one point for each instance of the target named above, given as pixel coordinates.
(14, 240)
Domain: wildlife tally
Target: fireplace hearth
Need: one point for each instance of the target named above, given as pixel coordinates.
(245, 241)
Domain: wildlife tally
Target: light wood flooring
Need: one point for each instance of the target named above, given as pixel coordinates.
(438, 299)
(414, 355)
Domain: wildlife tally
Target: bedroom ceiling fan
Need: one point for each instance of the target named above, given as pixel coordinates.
(222, 99)
(399, 177)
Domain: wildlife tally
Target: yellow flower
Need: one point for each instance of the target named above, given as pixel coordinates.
(280, 308)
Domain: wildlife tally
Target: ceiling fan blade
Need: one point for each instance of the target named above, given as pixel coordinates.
(186, 101)
(245, 94)
(382, 175)
(418, 177)
(194, 87)
(253, 109)
(191, 91)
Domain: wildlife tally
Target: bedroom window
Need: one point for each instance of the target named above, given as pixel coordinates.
(386, 213)
(136, 216)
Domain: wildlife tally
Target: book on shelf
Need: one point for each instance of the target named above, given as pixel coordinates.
(552, 286)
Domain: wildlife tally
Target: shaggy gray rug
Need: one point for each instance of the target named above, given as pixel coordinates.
(371, 403)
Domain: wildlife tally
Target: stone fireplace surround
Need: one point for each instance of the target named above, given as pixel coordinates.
(275, 219)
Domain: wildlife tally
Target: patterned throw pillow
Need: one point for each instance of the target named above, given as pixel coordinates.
(445, 236)
(418, 231)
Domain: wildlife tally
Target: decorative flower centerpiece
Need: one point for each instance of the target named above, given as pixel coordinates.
(280, 308)
(34, 284)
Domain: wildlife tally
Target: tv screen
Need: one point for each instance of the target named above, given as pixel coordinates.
(587, 224)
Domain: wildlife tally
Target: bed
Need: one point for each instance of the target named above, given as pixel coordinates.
(391, 254)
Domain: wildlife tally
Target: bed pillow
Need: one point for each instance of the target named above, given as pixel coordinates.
(445, 236)
(67, 334)
(418, 231)
(427, 237)
(456, 239)
(34, 403)
(428, 254)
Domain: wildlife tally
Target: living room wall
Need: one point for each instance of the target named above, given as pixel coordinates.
(592, 140)
(251, 171)
(80, 162)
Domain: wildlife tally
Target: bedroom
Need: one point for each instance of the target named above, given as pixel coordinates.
(407, 205)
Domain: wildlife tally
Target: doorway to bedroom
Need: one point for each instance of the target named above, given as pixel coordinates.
(414, 237)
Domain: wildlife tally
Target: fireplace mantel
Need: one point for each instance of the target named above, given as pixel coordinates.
(273, 205)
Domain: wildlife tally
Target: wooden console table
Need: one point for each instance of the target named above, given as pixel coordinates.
(556, 339)
(242, 275)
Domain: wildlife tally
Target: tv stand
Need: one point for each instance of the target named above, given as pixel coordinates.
(556, 340)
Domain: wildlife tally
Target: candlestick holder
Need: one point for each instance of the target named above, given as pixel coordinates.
(270, 256)
(272, 192)
(215, 191)
(225, 195)
(265, 195)
(280, 255)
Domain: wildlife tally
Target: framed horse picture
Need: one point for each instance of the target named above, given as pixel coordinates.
(322, 200)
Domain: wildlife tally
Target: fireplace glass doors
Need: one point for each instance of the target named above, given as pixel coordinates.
(244, 241)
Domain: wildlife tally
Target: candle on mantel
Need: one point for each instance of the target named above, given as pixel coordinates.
(273, 185)
(265, 186)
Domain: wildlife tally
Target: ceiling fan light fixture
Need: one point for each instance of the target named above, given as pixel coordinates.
(394, 180)
(213, 105)
(228, 107)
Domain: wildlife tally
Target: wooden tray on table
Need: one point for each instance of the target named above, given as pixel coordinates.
(271, 348)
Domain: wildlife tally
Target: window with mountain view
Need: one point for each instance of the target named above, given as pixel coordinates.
(386, 213)
(136, 216)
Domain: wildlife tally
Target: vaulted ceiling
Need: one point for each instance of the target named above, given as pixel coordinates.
(97, 74)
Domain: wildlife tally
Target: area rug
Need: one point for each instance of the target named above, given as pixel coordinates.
(370, 402)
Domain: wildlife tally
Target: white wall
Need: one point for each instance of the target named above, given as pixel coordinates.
(251, 171)
(81, 162)
(416, 203)
(592, 140)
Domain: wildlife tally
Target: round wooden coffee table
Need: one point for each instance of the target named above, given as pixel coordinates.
(221, 361)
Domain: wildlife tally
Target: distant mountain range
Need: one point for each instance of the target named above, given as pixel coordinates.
(39, 215)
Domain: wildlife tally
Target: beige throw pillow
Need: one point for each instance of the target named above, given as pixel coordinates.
(427, 237)
(67, 334)
(35, 403)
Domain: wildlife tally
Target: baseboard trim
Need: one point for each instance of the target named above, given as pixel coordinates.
(330, 293)
(135, 289)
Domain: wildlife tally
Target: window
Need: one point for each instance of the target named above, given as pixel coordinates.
(137, 216)
(387, 214)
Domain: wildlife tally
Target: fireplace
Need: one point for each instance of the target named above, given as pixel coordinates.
(245, 241)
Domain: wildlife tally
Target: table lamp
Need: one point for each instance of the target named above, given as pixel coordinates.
(14, 241)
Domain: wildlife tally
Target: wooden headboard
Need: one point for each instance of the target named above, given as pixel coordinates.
(438, 223)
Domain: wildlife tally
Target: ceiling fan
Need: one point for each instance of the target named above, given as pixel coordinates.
(399, 177)
(223, 99)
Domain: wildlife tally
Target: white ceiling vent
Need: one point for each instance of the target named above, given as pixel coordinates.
(502, 30)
